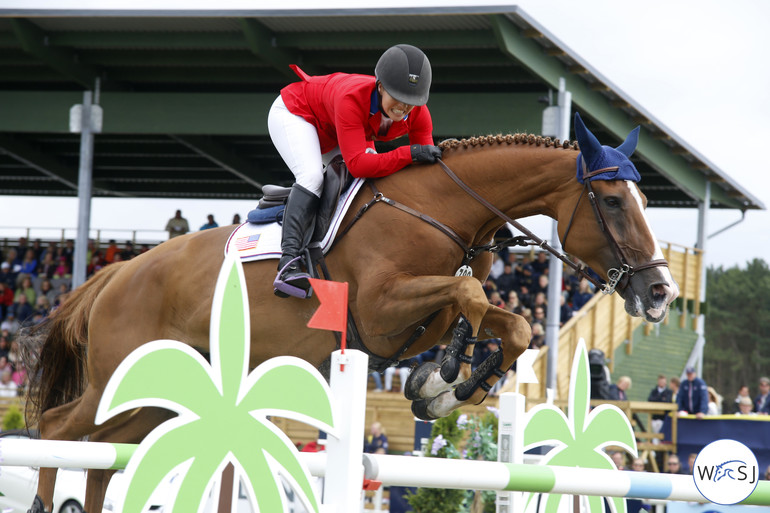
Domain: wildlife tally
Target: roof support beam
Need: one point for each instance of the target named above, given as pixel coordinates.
(221, 156)
(34, 158)
(35, 42)
(262, 43)
(522, 49)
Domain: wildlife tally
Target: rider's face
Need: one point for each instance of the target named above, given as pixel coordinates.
(393, 108)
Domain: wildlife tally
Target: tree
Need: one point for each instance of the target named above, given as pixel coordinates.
(737, 350)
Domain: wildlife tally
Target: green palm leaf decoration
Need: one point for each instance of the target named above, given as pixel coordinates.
(578, 440)
(222, 410)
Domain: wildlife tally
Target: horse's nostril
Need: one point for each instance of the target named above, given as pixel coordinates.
(659, 292)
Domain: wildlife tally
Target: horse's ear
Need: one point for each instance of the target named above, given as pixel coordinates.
(629, 145)
(589, 144)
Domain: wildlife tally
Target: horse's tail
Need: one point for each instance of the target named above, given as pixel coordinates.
(55, 350)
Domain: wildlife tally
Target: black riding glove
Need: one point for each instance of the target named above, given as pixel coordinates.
(425, 153)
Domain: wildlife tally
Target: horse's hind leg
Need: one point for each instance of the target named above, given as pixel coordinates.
(131, 427)
(514, 332)
(70, 421)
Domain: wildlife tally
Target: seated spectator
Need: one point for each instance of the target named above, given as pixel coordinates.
(762, 401)
(62, 268)
(47, 290)
(565, 312)
(619, 459)
(42, 306)
(95, 265)
(673, 465)
(497, 267)
(496, 300)
(540, 266)
(525, 297)
(743, 391)
(47, 267)
(541, 285)
(618, 390)
(7, 387)
(7, 276)
(210, 223)
(506, 282)
(538, 315)
(514, 305)
(524, 273)
(128, 251)
(14, 354)
(583, 295)
(376, 441)
(21, 309)
(25, 289)
(111, 251)
(715, 402)
(6, 299)
(745, 407)
(10, 324)
(639, 465)
(538, 336)
(377, 381)
(404, 367)
(5, 344)
(29, 263)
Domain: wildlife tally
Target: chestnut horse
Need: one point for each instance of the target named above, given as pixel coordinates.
(400, 271)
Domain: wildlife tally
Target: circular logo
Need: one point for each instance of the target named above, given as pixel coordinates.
(725, 472)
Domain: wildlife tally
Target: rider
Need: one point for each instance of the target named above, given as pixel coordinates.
(320, 117)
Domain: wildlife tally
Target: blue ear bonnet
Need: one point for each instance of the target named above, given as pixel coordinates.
(597, 156)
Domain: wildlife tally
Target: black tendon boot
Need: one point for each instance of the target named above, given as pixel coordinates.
(298, 222)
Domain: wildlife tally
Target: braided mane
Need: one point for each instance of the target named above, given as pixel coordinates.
(487, 140)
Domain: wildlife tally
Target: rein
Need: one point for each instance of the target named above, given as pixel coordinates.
(537, 241)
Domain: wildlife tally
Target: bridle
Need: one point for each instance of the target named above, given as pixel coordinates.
(617, 276)
(620, 275)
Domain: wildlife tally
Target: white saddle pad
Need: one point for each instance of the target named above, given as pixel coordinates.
(263, 241)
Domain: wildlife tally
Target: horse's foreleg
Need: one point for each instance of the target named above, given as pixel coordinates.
(514, 333)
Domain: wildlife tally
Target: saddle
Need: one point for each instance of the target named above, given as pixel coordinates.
(336, 180)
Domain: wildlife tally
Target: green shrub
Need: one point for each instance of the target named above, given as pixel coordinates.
(13, 418)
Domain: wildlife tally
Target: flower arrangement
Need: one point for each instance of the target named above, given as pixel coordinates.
(459, 436)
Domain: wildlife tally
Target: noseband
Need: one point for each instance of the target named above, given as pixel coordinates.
(617, 276)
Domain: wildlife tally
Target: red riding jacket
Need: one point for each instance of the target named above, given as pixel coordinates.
(345, 110)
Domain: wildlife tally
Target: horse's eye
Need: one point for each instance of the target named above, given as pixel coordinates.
(612, 202)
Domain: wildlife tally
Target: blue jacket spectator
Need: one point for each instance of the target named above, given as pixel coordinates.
(762, 401)
(693, 394)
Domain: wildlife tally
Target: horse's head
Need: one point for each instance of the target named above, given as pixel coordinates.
(618, 242)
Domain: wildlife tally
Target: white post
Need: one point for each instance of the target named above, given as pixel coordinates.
(555, 265)
(510, 443)
(345, 476)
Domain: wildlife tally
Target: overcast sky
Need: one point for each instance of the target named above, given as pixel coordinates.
(699, 67)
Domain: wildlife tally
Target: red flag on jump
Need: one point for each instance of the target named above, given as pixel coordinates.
(333, 313)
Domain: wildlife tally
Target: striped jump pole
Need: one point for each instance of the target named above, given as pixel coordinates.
(413, 471)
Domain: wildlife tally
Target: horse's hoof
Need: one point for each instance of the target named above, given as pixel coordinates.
(417, 379)
(37, 506)
(420, 409)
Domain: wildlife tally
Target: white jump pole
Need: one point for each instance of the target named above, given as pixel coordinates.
(420, 472)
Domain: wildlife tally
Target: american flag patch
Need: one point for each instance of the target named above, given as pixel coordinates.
(244, 243)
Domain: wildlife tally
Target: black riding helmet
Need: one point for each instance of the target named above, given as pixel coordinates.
(405, 74)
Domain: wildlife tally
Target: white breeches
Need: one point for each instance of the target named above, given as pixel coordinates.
(297, 142)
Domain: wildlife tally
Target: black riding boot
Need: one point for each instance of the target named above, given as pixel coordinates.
(298, 222)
